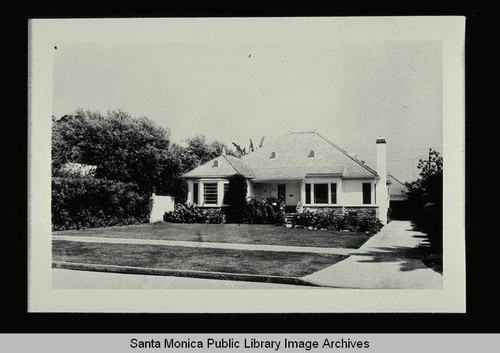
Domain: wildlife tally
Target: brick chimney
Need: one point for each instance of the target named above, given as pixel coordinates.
(382, 194)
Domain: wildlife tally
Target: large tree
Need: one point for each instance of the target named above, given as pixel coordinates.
(426, 198)
(197, 150)
(123, 148)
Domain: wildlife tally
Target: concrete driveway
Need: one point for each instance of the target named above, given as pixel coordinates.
(391, 259)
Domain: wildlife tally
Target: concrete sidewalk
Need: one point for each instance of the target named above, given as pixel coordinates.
(388, 260)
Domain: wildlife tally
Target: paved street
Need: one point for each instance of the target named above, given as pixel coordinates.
(72, 279)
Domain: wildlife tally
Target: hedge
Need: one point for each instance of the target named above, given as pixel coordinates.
(268, 211)
(88, 203)
(354, 220)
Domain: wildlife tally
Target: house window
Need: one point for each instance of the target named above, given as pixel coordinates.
(311, 154)
(367, 193)
(333, 193)
(320, 193)
(273, 155)
(216, 164)
(308, 193)
(210, 193)
(195, 193)
(226, 187)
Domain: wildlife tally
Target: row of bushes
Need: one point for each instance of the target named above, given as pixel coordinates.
(361, 220)
(271, 211)
(268, 211)
(87, 203)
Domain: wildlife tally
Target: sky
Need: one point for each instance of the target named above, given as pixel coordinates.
(351, 92)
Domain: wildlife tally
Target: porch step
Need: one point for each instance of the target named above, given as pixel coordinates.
(289, 218)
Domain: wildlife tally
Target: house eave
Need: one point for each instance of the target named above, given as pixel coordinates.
(365, 177)
(274, 180)
(323, 175)
(206, 176)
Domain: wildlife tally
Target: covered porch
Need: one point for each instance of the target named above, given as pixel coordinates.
(317, 191)
(287, 190)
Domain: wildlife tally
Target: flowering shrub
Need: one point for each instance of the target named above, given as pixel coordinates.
(268, 211)
(319, 220)
(183, 213)
(352, 220)
(362, 221)
(214, 216)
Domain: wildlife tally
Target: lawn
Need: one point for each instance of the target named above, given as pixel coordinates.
(229, 233)
(287, 264)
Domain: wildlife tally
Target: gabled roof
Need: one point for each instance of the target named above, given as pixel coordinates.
(227, 165)
(396, 187)
(292, 162)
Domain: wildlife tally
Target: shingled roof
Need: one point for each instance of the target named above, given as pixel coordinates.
(293, 161)
(396, 187)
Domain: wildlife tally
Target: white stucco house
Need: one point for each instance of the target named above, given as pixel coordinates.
(302, 168)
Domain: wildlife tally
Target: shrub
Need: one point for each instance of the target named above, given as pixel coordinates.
(214, 216)
(305, 219)
(88, 203)
(184, 213)
(268, 211)
(329, 220)
(352, 220)
(362, 221)
(425, 199)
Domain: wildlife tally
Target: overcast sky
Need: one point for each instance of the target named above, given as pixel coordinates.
(351, 92)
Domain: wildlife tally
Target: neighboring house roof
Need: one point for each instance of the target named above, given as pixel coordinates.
(227, 165)
(397, 189)
(293, 161)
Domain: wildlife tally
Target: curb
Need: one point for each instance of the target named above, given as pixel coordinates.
(182, 273)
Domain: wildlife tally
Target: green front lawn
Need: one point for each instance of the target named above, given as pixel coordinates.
(270, 263)
(229, 233)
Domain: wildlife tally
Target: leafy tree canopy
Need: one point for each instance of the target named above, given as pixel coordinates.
(426, 198)
(198, 151)
(121, 147)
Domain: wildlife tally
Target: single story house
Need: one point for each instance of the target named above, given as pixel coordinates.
(302, 168)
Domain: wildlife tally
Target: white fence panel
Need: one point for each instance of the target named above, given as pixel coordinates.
(161, 204)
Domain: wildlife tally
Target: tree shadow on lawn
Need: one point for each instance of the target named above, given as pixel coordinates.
(408, 256)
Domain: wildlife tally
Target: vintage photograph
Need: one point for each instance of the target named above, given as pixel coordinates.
(250, 156)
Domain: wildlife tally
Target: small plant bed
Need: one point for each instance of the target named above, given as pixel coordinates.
(287, 264)
(230, 233)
